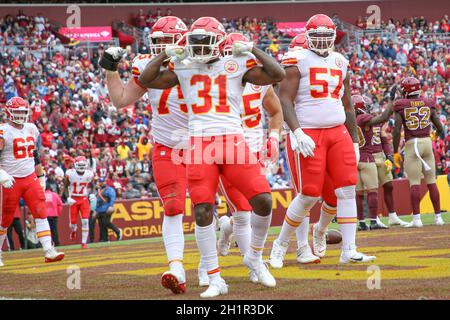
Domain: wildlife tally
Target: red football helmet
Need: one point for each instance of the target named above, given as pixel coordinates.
(231, 38)
(17, 110)
(166, 31)
(320, 33)
(298, 42)
(410, 86)
(80, 164)
(205, 39)
(359, 104)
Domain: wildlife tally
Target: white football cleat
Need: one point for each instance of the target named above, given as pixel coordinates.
(203, 279)
(174, 280)
(277, 254)
(351, 255)
(396, 221)
(439, 221)
(216, 288)
(305, 255)
(319, 242)
(415, 224)
(223, 245)
(253, 277)
(51, 255)
(261, 272)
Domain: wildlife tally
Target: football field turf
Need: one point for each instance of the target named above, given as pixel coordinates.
(410, 264)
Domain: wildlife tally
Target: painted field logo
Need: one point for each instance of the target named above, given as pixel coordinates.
(374, 280)
(74, 278)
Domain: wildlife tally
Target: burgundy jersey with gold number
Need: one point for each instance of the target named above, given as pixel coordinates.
(416, 115)
(369, 137)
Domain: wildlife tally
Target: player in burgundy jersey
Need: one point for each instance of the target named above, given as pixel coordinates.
(213, 86)
(416, 114)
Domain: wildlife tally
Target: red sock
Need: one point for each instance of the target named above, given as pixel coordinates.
(415, 199)
(388, 198)
(435, 198)
(360, 206)
(372, 201)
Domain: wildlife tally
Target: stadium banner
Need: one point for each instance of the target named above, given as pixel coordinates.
(291, 28)
(88, 34)
(142, 218)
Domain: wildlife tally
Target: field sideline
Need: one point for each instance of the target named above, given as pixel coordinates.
(413, 264)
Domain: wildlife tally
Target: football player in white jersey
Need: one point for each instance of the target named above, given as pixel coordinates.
(77, 183)
(316, 105)
(19, 163)
(169, 131)
(213, 86)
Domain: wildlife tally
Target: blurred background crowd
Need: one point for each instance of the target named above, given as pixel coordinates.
(71, 108)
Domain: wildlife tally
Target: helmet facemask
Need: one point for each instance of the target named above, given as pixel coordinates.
(80, 166)
(159, 40)
(321, 40)
(203, 46)
(19, 115)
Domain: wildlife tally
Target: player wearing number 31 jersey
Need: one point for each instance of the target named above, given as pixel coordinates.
(18, 164)
(315, 96)
(212, 86)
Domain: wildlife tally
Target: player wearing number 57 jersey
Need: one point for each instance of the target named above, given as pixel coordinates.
(415, 115)
(315, 96)
(18, 166)
(212, 87)
(76, 187)
(169, 130)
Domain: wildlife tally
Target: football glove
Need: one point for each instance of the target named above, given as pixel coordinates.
(356, 147)
(272, 147)
(111, 58)
(175, 51)
(70, 201)
(240, 47)
(6, 180)
(305, 145)
(397, 160)
(42, 181)
(388, 165)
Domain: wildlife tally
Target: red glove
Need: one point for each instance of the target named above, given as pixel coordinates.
(272, 148)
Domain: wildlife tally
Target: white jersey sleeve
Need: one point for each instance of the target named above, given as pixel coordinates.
(253, 115)
(318, 102)
(170, 114)
(17, 157)
(213, 93)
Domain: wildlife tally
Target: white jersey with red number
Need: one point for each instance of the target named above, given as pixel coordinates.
(253, 115)
(79, 183)
(17, 156)
(170, 114)
(213, 93)
(318, 103)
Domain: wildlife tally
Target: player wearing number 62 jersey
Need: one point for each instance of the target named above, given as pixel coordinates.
(169, 130)
(18, 166)
(213, 86)
(76, 188)
(315, 96)
(415, 115)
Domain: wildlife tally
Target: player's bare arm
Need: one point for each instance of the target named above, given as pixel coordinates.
(66, 187)
(272, 105)
(122, 95)
(437, 123)
(153, 77)
(397, 132)
(287, 91)
(383, 117)
(269, 72)
(350, 117)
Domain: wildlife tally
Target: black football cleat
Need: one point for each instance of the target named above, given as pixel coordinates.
(362, 226)
(377, 225)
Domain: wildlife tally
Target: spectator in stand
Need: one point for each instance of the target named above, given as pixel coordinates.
(143, 148)
(123, 150)
(16, 226)
(54, 210)
(131, 192)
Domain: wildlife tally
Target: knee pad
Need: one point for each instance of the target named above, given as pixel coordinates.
(311, 190)
(173, 206)
(345, 193)
(84, 223)
(307, 201)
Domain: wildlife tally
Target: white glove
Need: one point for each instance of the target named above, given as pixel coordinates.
(356, 146)
(6, 180)
(116, 52)
(176, 51)
(70, 201)
(240, 47)
(42, 181)
(305, 145)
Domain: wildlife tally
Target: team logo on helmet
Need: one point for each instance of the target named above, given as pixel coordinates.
(231, 66)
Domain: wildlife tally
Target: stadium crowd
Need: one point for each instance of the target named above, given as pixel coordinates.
(72, 110)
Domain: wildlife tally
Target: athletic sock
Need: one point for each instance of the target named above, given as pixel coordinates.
(3, 233)
(84, 230)
(372, 202)
(173, 238)
(435, 197)
(302, 232)
(388, 196)
(327, 214)
(260, 228)
(242, 230)
(360, 206)
(415, 199)
(43, 233)
(346, 215)
(206, 243)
